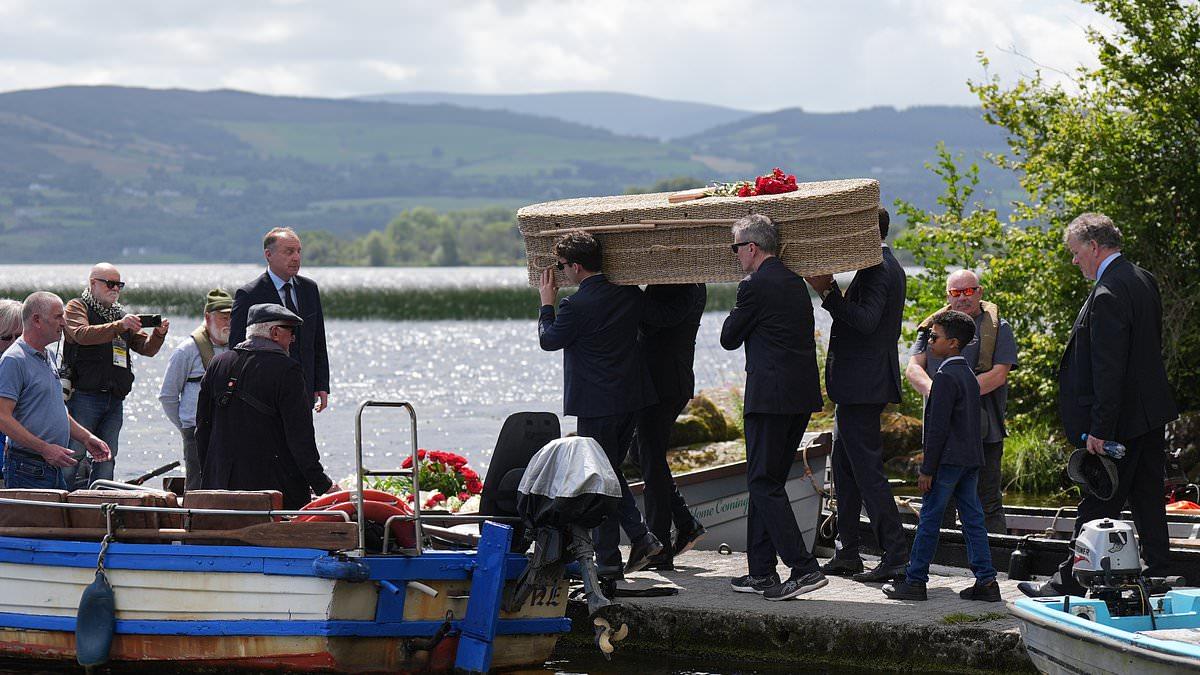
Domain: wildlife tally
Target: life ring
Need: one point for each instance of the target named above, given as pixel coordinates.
(1183, 505)
(378, 506)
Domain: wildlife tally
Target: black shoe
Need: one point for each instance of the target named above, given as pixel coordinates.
(609, 572)
(1047, 589)
(641, 551)
(662, 562)
(842, 567)
(989, 592)
(686, 537)
(905, 590)
(797, 584)
(881, 572)
(752, 584)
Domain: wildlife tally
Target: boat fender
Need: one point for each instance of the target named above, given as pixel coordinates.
(341, 568)
(95, 623)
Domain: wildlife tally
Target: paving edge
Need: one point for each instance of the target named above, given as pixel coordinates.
(762, 637)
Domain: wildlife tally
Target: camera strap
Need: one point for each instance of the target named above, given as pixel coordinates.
(232, 390)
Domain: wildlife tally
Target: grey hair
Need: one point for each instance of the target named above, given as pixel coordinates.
(263, 329)
(39, 303)
(10, 316)
(758, 229)
(1095, 227)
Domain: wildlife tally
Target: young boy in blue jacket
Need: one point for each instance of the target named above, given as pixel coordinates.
(953, 455)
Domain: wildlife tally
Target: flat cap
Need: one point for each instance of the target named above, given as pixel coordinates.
(269, 312)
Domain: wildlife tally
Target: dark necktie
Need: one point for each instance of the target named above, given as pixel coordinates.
(287, 298)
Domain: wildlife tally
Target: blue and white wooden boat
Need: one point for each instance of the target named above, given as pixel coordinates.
(183, 605)
(1071, 635)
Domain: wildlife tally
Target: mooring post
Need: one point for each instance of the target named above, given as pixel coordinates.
(483, 607)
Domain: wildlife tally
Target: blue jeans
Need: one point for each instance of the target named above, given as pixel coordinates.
(23, 472)
(961, 483)
(102, 414)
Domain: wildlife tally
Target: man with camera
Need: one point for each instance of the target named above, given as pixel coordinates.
(97, 341)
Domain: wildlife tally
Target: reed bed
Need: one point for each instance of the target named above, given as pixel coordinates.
(415, 304)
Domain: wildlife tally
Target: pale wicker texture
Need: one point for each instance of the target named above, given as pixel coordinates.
(825, 227)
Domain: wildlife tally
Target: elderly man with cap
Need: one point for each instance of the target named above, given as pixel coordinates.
(181, 383)
(254, 425)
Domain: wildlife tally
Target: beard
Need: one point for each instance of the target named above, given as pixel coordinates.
(219, 336)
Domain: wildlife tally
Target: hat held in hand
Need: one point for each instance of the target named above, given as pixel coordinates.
(1094, 474)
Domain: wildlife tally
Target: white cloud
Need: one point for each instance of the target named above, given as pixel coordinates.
(814, 54)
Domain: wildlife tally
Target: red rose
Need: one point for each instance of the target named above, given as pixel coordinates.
(463, 496)
(745, 190)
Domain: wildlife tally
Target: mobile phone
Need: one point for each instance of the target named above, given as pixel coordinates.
(150, 320)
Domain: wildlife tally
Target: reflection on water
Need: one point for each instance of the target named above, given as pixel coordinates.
(463, 377)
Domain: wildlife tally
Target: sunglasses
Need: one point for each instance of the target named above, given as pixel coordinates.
(956, 292)
(559, 266)
(740, 244)
(111, 284)
(9, 338)
(934, 337)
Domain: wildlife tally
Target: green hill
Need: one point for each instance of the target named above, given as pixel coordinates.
(122, 173)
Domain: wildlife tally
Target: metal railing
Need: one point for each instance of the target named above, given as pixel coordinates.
(362, 472)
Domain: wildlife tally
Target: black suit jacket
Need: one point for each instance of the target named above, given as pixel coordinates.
(773, 317)
(863, 363)
(952, 413)
(604, 372)
(309, 348)
(1112, 381)
(242, 448)
(669, 342)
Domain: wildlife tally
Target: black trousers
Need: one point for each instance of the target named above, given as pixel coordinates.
(664, 505)
(771, 529)
(614, 433)
(991, 493)
(858, 474)
(1141, 475)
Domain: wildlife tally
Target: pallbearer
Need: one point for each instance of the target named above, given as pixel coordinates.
(773, 318)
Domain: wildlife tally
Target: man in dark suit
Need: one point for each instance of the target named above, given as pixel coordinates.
(254, 427)
(669, 346)
(1113, 387)
(604, 377)
(282, 284)
(773, 318)
(862, 375)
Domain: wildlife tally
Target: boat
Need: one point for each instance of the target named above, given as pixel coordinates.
(193, 589)
(1042, 534)
(718, 496)
(1071, 635)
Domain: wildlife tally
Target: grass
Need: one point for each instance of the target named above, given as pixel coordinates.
(959, 618)
(412, 304)
(1034, 459)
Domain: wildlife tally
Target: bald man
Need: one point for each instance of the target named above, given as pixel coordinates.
(993, 354)
(97, 341)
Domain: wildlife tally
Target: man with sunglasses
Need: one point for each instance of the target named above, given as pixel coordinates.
(254, 419)
(992, 353)
(96, 353)
(773, 318)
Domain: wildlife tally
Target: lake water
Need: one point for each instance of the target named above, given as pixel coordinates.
(463, 377)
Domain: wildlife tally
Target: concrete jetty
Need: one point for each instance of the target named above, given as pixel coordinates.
(846, 623)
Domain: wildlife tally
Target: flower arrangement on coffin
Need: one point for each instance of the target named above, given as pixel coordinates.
(775, 183)
(445, 479)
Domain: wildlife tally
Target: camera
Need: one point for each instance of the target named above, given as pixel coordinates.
(150, 320)
(65, 376)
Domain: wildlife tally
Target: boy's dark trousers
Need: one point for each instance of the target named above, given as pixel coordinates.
(613, 433)
(962, 483)
(991, 493)
(771, 529)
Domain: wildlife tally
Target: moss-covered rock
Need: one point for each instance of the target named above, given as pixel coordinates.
(690, 430)
(900, 435)
(904, 466)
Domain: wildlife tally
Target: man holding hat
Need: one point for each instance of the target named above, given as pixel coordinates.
(181, 383)
(254, 425)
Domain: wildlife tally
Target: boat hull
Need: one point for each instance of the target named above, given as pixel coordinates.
(204, 607)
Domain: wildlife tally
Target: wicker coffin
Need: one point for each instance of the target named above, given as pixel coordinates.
(826, 227)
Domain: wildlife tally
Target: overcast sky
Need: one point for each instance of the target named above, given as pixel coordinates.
(822, 55)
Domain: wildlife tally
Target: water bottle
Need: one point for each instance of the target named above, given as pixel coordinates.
(1111, 448)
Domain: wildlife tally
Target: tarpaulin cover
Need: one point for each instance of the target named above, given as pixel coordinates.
(569, 481)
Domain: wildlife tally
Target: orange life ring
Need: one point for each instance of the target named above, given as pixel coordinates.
(378, 506)
(1183, 505)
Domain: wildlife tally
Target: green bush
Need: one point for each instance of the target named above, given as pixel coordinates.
(1035, 459)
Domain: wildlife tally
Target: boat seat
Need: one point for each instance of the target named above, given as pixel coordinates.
(245, 500)
(88, 518)
(521, 436)
(22, 515)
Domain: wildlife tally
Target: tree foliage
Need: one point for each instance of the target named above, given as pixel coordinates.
(1123, 139)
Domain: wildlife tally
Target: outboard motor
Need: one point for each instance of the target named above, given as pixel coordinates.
(1108, 564)
(568, 488)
